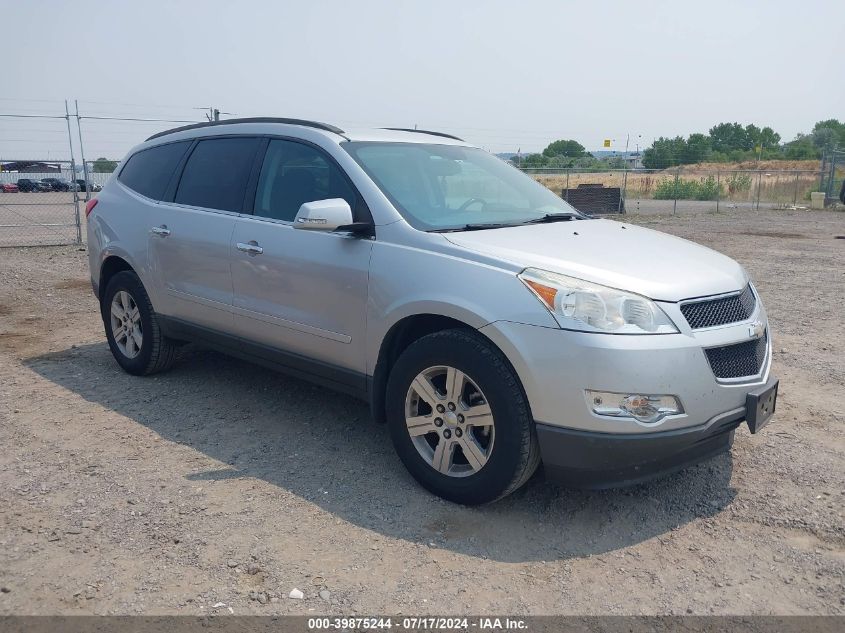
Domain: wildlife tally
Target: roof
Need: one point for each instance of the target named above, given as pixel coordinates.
(266, 124)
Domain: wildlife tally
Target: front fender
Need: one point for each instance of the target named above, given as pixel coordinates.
(406, 281)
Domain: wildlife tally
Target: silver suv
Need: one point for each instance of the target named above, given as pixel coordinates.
(487, 322)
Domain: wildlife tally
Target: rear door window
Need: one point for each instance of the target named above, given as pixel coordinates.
(217, 172)
(149, 171)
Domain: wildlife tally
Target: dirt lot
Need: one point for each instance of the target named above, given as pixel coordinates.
(221, 486)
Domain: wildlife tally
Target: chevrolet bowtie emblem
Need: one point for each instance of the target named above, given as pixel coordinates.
(756, 329)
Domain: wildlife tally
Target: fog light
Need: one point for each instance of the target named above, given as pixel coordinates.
(645, 408)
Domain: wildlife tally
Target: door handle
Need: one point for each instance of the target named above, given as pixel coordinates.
(161, 231)
(250, 247)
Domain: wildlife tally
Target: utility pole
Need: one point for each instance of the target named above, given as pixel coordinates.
(213, 113)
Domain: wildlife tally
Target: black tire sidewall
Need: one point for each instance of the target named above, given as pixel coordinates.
(472, 354)
(130, 283)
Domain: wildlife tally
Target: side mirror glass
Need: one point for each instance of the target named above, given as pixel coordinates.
(323, 215)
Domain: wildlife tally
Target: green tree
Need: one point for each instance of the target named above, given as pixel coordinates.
(769, 138)
(559, 161)
(696, 150)
(534, 160)
(802, 148)
(726, 137)
(834, 125)
(752, 138)
(664, 152)
(755, 137)
(825, 138)
(568, 148)
(104, 166)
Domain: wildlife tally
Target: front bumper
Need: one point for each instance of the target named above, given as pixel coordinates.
(586, 459)
(581, 448)
(556, 366)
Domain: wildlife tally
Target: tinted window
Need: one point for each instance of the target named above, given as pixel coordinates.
(148, 172)
(217, 172)
(294, 173)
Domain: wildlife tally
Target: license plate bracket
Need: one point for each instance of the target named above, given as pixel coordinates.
(760, 405)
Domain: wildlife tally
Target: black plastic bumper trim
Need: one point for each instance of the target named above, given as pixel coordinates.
(586, 459)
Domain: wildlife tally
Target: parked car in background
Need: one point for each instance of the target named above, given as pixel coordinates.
(9, 187)
(490, 324)
(87, 186)
(56, 184)
(30, 185)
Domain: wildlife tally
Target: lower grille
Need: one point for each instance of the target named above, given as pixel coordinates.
(740, 360)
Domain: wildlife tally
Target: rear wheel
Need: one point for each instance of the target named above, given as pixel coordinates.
(132, 327)
(459, 419)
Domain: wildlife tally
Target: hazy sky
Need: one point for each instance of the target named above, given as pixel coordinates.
(502, 74)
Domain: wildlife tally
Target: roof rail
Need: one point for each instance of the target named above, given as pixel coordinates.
(407, 129)
(314, 124)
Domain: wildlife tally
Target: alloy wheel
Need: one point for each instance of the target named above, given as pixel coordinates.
(126, 324)
(449, 421)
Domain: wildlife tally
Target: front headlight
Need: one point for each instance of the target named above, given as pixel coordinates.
(582, 305)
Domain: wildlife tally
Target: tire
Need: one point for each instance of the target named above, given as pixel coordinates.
(508, 441)
(155, 353)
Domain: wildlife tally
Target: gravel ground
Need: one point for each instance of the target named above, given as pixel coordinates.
(220, 487)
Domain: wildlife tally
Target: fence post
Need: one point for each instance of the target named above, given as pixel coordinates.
(795, 193)
(759, 185)
(821, 173)
(830, 192)
(623, 194)
(718, 188)
(73, 177)
(675, 203)
(82, 152)
(567, 184)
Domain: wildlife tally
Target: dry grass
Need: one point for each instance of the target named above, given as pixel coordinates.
(779, 182)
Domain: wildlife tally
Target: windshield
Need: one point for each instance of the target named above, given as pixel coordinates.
(445, 187)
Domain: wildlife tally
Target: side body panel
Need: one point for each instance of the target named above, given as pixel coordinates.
(190, 264)
(118, 226)
(306, 292)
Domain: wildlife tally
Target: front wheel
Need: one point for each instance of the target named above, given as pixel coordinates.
(459, 419)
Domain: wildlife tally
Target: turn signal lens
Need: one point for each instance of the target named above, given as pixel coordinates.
(89, 206)
(545, 293)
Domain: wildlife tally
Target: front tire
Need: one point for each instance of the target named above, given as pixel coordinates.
(459, 419)
(132, 327)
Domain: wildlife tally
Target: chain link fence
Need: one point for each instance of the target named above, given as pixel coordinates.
(39, 203)
(682, 190)
(832, 175)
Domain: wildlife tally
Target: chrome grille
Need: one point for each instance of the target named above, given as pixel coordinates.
(739, 360)
(721, 311)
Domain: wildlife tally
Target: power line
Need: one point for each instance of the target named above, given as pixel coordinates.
(114, 118)
(32, 116)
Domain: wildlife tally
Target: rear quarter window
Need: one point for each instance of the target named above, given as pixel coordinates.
(149, 171)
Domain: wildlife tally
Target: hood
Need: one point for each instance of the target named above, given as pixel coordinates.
(623, 256)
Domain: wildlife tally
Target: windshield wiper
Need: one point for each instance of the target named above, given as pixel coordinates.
(475, 227)
(554, 217)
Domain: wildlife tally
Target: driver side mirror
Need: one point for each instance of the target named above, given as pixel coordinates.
(333, 214)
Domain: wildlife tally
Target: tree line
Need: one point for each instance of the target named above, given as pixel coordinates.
(731, 142)
(724, 143)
